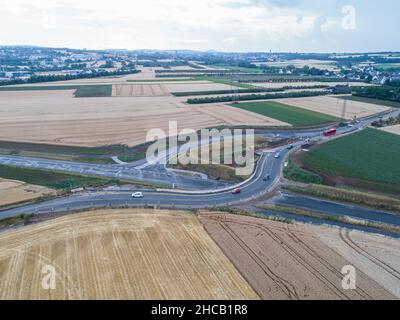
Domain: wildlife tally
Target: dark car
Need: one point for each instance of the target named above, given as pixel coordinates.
(267, 177)
(290, 147)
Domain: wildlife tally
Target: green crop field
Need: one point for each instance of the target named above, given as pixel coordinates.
(295, 116)
(370, 155)
(94, 91)
(388, 66)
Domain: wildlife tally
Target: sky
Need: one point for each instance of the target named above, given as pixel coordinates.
(222, 25)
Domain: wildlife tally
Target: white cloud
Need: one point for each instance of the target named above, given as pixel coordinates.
(168, 24)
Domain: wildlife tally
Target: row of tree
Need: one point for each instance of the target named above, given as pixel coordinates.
(51, 78)
(300, 94)
(390, 92)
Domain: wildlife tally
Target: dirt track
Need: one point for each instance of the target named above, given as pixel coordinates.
(283, 261)
(120, 254)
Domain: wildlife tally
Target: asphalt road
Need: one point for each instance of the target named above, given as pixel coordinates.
(336, 209)
(216, 195)
(268, 165)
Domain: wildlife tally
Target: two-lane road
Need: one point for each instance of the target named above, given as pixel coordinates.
(255, 186)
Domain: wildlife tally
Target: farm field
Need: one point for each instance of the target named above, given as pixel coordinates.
(388, 66)
(333, 106)
(385, 103)
(371, 155)
(291, 261)
(53, 180)
(292, 115)
(392, 129)
(119, 254)
(13, 191)
(198, 86)
(299, 63)
(139, 90)
(56, 117)
(273, 85)
(164, 89)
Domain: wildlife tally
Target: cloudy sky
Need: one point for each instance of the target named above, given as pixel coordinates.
(224, 25)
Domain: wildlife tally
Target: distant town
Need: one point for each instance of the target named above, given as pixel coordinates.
(22, 64)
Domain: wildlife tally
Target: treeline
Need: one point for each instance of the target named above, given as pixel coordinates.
(196, 71)
(390, 92)
(257, 97)
(255, 90)
(296, 79)
(392, 121)
(52, 78)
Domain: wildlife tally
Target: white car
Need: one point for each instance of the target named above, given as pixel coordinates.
(137, 195)
(277, 155)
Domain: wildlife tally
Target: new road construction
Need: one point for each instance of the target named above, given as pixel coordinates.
(217, 194)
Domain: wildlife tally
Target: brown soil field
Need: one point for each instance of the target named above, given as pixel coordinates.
(56, 117)
(12, 192)
(392, 129)
(290, 261)
(334, 106)
(119, 254)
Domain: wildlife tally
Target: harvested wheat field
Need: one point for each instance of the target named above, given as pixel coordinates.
(139, 90)
(334, 106)
(376, 256)
(193, 86)
(290, 261)
(56, 117)
(12, 192)
(118, 254)
(392, 129)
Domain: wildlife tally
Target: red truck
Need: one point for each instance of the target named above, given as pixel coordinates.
(330, 132)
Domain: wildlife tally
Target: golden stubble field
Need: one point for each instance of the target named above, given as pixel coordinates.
(119, 254)
(304, 261)
(392, 129)
(12, 191)
(56, 117)
(334, 106)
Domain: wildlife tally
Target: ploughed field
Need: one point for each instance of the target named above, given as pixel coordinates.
(118, 254)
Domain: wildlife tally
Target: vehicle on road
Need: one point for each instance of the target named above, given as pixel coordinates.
(330, 132)
(137, 195)
(290, 147)
(267, 177)
(236, 191)
(277, 155)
